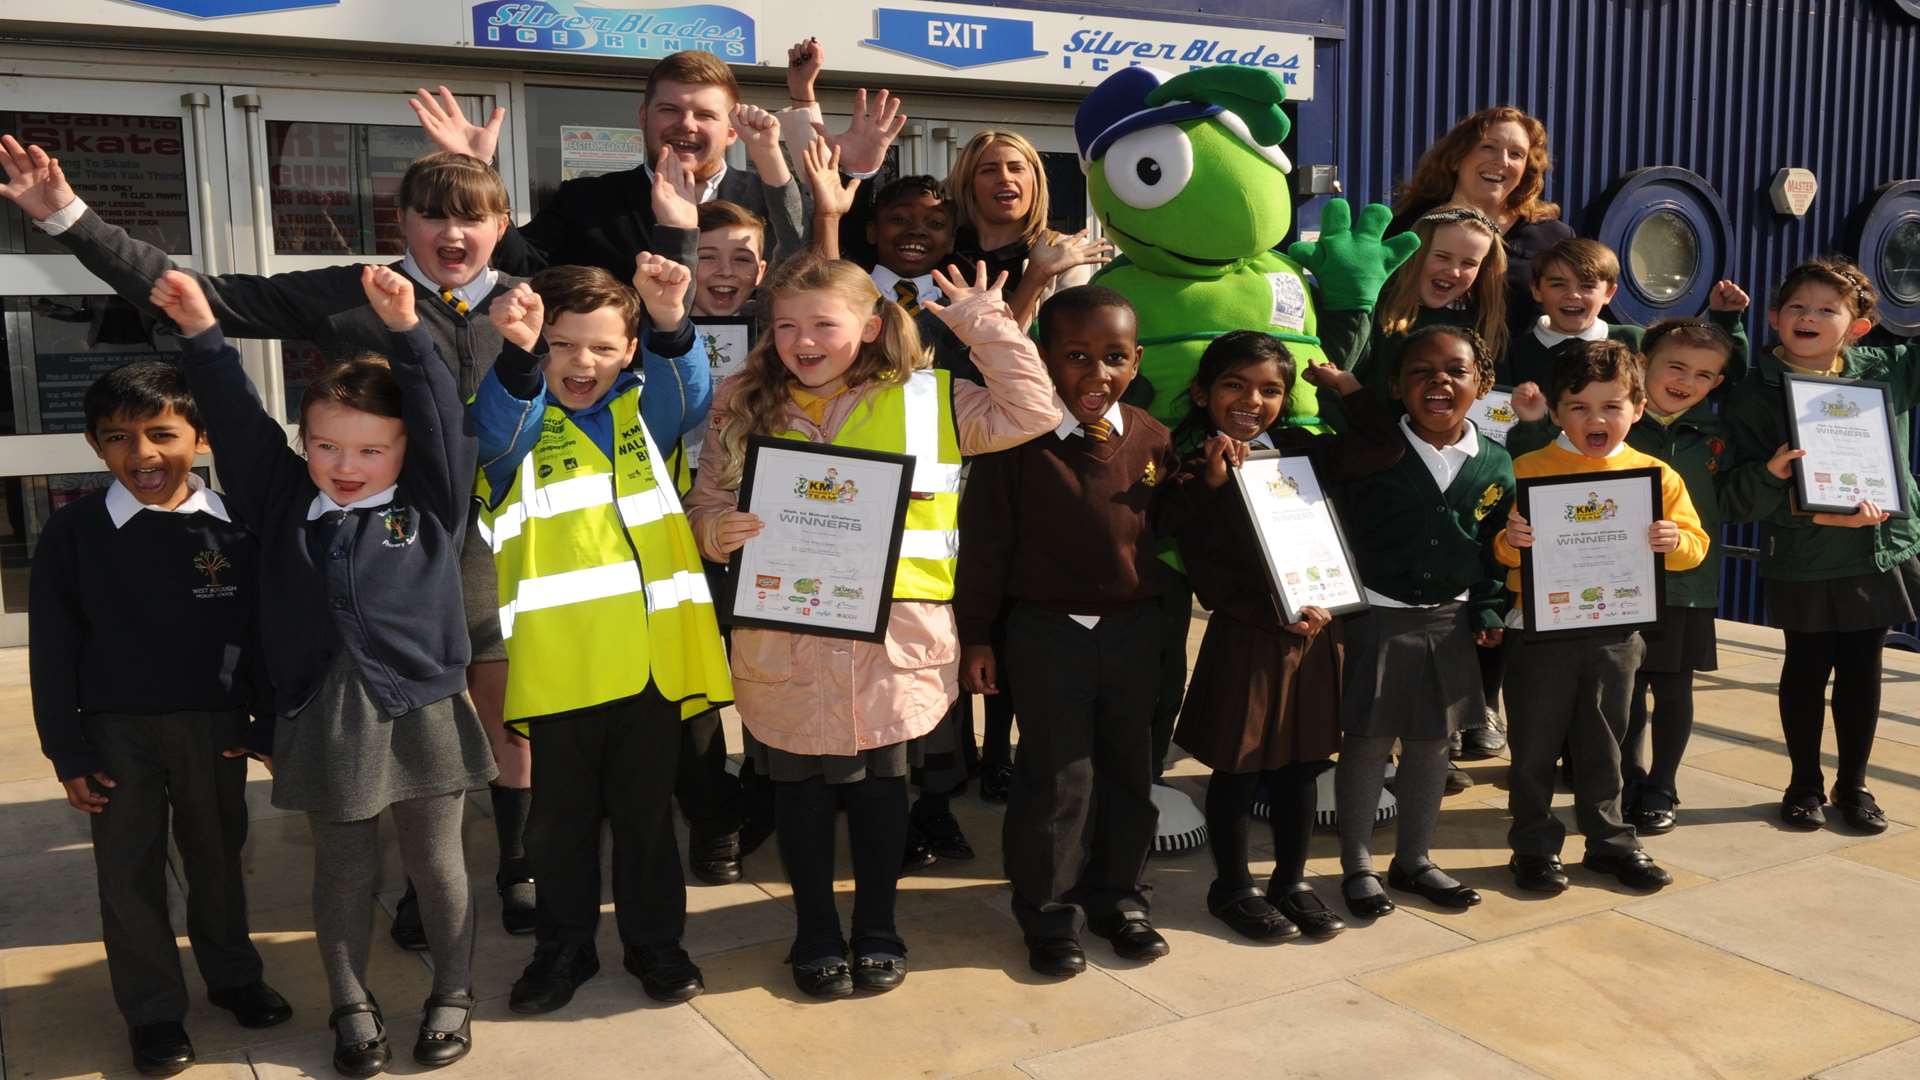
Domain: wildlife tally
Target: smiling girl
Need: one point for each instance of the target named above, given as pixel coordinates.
(1454, 279)
(1835, 582)
(1264, 703)
(365, 641)
(833, 720)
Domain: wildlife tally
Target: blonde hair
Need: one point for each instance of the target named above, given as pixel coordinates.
(960, 183)
(1437, 173)
(759, 403)
(1400, 299)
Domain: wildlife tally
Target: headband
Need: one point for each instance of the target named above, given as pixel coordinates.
(1453, 215)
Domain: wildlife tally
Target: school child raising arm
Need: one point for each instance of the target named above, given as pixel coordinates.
(365, 639)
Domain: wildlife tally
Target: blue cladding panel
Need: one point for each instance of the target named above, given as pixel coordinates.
(1731, 89)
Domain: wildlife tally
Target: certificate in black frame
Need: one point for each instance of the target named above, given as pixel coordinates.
(876, 633)
(1523, 500)
(1802, 504)
(1276, 574)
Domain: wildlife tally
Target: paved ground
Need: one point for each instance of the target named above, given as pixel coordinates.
(1775, 954)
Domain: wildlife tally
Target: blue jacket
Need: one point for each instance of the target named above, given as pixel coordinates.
(676, 392)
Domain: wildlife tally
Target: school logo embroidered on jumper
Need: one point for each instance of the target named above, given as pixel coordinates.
(402, 529)
(213, 564)
(1715, 447)
(1489, 499)
(1151, 476)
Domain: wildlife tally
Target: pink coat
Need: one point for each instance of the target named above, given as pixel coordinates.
(808, 694)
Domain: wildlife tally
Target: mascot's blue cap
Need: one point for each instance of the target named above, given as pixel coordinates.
(1118, 106)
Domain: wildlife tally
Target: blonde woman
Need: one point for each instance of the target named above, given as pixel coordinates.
(1001, 191)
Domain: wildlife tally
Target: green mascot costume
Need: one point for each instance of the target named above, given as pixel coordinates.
(1187, 177)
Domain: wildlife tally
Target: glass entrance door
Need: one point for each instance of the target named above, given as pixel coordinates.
(148, 157)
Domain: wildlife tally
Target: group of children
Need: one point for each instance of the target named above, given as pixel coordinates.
(569, 432)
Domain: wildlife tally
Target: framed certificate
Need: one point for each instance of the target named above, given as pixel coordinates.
(1307, 556)
(728, 341)
(1493, 414)
(1846, 428)
(1590, 567)
(824, 560)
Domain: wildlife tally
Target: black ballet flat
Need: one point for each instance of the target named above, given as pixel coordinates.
(1252, 915)
(1366, 907)
(1314, 918)
(825, 979)
(1803, 812)
(361, 1059)
(436, 1047)
(1859, 811)
(1458, 897)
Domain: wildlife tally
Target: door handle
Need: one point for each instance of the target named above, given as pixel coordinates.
(196, 105)
(272, 390)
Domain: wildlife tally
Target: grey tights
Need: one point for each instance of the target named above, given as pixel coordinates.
(1418, 786)
(346, 862)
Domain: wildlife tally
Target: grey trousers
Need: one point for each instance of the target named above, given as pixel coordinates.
(1574, 692)
(161, 763)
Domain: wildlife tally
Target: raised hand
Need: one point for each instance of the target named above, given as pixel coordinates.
(760, 131)
(520, 316)
(831, 198)
(1050, 258)
(34, 181)
(872, 130)
(1351, 261)
(1529, 402)
(804, 61)
(953, 285)
(676, 194)
(662, 285)
(449, 128)
(391, 297)
(1727, 296)
(180, 299)
(1331, 377)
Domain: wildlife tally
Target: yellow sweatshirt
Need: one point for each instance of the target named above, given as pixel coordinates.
(1556, 460)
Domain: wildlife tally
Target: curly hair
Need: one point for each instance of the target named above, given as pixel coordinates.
(1437, 173)
(1483, 368)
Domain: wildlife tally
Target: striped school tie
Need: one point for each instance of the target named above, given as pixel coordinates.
(1097, 430)
(453, 301)
(908, 294)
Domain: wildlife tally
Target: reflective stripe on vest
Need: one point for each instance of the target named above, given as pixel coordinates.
(601, 587)
(916, 417)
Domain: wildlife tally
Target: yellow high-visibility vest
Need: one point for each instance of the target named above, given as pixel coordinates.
(601, 586)
(915, 417)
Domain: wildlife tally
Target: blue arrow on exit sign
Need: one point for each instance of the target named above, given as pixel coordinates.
(214, 9)
(952, 40)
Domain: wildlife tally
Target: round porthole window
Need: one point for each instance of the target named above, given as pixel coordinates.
(1900, 262)
(1673, 234)
(1663, 255)
(1886, 244)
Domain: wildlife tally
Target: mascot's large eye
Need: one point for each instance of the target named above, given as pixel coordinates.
(1148, 168)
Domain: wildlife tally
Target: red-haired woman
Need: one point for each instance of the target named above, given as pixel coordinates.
(1495, 161)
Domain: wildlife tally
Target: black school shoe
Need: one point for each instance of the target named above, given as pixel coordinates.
(436, 1047)
(1314, 918)
(996, 780)
(1539, 873)
(1803, 812)
(161, 1049)
(880, 967)
(518, 900)
(919, 851)
(1459, 897)
(715, 860)
(943, 836)
(1635, 869)
(1249, 912)
(407, 931)
(549, 981)
(1859, 811)
(361, 1059)
(666, 973)
(826, 978)
(1132, 936)
(254, 1005)
(1061, 957)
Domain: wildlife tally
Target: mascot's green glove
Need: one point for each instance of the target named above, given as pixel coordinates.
(1350, 263)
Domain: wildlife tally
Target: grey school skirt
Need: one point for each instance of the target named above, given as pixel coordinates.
(1411, 673)
(880, 763)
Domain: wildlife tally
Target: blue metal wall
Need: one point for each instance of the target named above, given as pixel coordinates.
(1731, 89)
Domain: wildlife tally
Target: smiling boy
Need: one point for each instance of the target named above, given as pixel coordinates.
(141, 612)
(1574, 691)
(731, 258)
(1059, 526)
